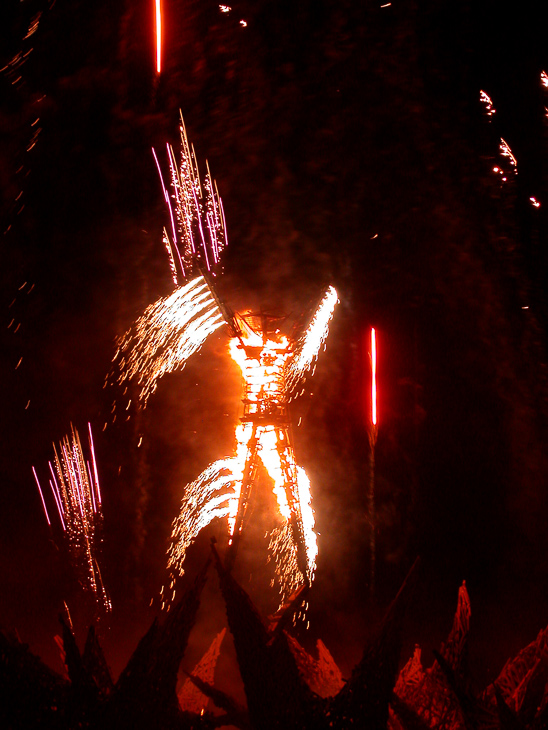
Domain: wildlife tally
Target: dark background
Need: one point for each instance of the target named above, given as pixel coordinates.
(350, 147)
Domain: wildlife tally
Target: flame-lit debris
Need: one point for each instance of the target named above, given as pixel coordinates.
(428, 694)
(322, 675)
(191, 698)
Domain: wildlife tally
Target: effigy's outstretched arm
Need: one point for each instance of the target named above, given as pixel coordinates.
(309, 344)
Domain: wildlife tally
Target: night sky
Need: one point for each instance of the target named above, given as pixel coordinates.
(350, 148)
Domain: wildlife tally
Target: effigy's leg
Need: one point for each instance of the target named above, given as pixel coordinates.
(279, 460)
(249, 472)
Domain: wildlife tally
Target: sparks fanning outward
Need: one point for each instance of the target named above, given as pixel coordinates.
(74, 484)
(272, 366)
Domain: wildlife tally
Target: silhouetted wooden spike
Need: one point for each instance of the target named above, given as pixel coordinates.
(522, 683)
(136, 668)
(241, 602)
(95, 664)
(73, 658)
(31, 694)
(364, 700)
(516, 670)
(277, 696)
(174, 633)
(145, 694)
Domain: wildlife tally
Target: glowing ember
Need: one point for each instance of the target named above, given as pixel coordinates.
(75, 487)
(158, 15)
(373, 377)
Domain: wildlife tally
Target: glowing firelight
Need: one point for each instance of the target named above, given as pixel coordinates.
(272, 366)
(158, 15)
(74, 484)
(373, 377)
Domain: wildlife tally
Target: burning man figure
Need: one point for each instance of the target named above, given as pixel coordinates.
(175, 327)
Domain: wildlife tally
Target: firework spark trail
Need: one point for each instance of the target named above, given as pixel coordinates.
(75, 487)
(212, 495)
(310, 343)
(487, 102)
(167, 334)
(198, 226)
(505, 151)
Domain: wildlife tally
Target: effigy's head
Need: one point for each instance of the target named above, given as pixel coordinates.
(261, 348)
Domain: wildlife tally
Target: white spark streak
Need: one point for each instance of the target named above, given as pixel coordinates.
(487, 102)
(167, 334)
(75, 488)
(505, 151)
(214, 494)
(197, 221)
(310, 343)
